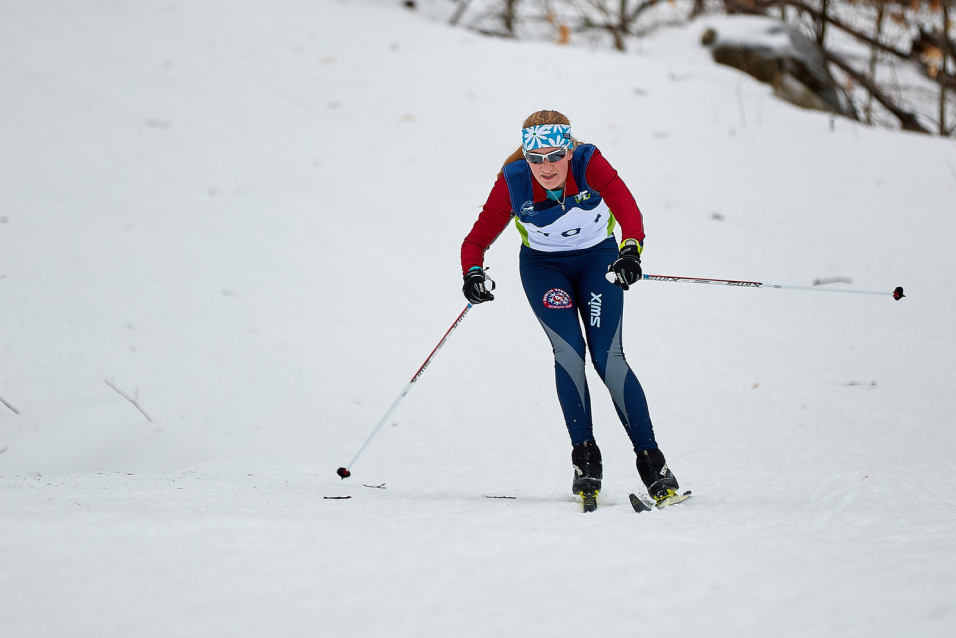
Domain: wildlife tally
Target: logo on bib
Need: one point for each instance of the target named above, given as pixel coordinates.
(528, 209)
(557, 299)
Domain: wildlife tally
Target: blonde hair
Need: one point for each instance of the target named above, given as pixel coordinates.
(537, 119)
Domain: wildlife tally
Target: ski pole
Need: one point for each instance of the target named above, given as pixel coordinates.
(897, 293)
(344, 472)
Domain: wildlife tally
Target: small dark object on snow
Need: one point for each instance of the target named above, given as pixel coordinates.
(375, 487)
(898, 293)
(344, 473)
(336, 498)
(508, 497)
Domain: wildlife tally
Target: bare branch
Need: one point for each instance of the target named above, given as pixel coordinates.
(462, 6)
(127, 397)
(641, 8)
(817, 15)
(947, 43)
(600, 6)
(907, 119)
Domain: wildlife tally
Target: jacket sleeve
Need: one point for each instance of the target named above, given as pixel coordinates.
(604, 179)
(494, 217)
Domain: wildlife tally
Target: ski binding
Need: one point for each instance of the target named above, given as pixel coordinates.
(640, 506)
(589, 499)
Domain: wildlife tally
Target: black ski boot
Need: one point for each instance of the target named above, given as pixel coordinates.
(588, 472)
(659, 480)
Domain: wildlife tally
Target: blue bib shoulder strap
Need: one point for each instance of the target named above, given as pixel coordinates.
(518, 178)
(579, 165)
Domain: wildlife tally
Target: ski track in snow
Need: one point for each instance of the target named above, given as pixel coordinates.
(248, 217)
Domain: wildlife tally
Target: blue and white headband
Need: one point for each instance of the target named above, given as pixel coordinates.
(546, 135)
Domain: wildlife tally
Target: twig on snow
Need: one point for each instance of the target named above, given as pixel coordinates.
(832, 280)
(3, 401)
(128, 398)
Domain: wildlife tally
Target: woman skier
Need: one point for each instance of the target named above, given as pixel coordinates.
(561, 194)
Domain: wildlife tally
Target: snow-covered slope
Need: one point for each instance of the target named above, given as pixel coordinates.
(247, 217)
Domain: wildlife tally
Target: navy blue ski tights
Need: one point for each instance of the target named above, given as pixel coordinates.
(566, 289)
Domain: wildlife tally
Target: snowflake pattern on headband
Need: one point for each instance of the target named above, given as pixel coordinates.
(546, 135)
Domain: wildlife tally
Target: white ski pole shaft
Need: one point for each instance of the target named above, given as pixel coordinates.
(897, 293)
(344, 472)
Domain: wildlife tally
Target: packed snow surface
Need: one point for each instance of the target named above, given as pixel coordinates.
(246, 217)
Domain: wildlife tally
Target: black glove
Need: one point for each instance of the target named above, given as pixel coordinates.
(477, 287)
(627, 266)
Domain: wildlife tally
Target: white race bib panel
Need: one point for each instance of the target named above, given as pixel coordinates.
(571, 230)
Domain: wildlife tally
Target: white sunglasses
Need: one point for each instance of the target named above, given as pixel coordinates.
(540, 158)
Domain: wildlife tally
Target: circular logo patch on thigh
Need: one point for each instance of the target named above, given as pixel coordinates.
(557, 299)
